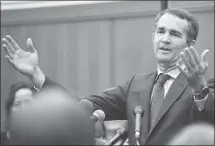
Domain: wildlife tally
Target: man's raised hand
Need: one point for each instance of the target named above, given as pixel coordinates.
(25, 62)
(195, 67)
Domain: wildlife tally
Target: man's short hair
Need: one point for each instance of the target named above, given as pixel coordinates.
(193, 26)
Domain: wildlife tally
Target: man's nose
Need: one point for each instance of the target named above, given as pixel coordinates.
(166, 38)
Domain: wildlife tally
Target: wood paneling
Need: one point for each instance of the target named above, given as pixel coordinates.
(90, 48)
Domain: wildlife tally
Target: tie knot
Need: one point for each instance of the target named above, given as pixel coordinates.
(162, 78)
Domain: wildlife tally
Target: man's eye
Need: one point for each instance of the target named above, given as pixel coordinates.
(160, 31)
(175, 34)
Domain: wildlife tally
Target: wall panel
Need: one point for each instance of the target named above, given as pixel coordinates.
(89, 48)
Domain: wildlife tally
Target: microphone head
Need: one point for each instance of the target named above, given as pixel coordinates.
(99, 114)
(87, 105)
(138, 110)
(121, 131)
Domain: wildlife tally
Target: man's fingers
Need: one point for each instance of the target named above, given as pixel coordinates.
(203, 55)
(182, 70)
(8, 51)
(30, 45)
(9, 46)
(9, 60)
(185, 61)
(195, 55)
(14, 44)
(190, 58)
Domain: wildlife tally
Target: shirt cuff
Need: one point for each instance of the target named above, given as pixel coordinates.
(200, 103)
(38, 89)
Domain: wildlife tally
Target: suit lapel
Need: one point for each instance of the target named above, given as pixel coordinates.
(173, 94)
(145, 96)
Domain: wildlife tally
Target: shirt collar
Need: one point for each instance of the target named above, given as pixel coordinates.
(172, 73)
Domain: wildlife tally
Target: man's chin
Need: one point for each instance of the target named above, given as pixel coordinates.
(164, 60)
(167, 63)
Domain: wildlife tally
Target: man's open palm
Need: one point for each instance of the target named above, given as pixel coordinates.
(25, 62)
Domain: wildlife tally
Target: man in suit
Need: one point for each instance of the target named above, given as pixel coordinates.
(173, 96)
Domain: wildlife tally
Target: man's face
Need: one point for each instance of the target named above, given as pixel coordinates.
(169, 39)
(22, 97)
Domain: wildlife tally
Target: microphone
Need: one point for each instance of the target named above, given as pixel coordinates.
(138, 112)
(98, 115)
(120, 132)
(95, 116)
(87, 105)
(98, 118)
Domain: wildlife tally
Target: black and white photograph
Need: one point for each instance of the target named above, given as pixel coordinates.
(107, 73)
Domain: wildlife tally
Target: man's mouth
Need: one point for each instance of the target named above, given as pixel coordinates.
(165, 49)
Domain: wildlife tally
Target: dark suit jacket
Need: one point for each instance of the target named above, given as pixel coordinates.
(178, 110)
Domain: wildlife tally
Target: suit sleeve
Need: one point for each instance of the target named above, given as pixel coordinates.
(112, 101)
(207, 113)
(209, 105)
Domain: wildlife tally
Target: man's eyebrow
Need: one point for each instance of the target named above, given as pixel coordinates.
(171, 30)
(161, 28)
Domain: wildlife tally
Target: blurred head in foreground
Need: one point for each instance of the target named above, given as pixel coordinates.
(196, 134)
(20, 94)
(52, 117)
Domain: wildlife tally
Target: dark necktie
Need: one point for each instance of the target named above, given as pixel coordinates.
(157, 97)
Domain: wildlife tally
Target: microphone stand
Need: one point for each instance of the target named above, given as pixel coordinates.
(120, 136)
(137, 142)
(138, 112)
